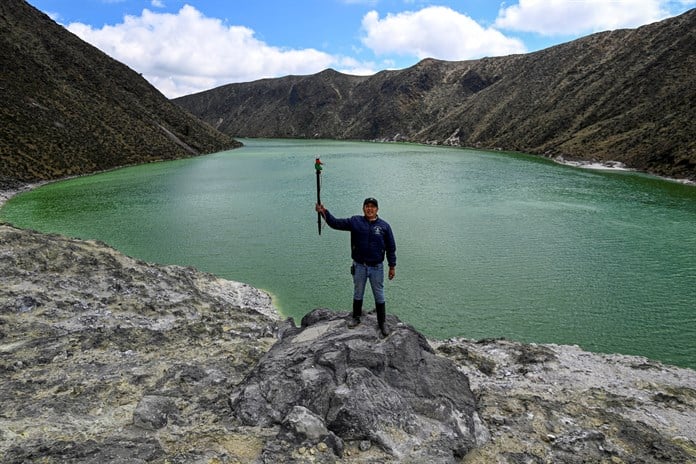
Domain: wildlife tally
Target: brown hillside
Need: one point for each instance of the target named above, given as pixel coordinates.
(624, 95)
(66, 108)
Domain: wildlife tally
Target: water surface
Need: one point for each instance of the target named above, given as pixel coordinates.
(488, 244)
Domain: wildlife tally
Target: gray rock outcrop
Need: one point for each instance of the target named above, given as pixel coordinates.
(394, 392)
(560, 404)
(106, 359)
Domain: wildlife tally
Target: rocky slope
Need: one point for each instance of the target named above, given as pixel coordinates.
(69, 109)
(624, 95)
(107, 359)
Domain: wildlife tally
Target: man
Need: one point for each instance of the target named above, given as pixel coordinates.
(371, 238)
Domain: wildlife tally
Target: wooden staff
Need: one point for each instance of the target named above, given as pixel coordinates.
(318, 168)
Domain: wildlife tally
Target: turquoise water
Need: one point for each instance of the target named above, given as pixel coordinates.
(488, 244)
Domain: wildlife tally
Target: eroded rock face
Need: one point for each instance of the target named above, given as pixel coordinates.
(394, 392)
(105, 359)
(560, 404)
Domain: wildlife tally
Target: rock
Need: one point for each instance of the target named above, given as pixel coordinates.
(395, 392)
(106, 359)
(302, 425)
(303, 422)
(117, 449)
(550, 403)
(153, 412)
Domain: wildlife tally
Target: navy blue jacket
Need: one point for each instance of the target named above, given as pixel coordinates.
(369, 241)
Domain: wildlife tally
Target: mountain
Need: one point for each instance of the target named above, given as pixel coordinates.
(624, 95)
(66, 108)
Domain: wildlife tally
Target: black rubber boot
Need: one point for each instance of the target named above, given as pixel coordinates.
(357, 312)
(381, 319)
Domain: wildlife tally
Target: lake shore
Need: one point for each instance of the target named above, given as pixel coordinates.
(613, 166)
(7, 192)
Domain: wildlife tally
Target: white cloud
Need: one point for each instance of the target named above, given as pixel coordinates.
(157, 4)
(574, 17)
(435, 32)
(187, 52)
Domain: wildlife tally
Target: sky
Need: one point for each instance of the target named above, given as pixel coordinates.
(187, 46)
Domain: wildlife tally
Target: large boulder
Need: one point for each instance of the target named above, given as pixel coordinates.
(394, 392)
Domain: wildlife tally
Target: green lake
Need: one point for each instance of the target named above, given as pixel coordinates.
(489, 244)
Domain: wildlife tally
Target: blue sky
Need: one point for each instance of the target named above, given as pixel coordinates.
(183, 47)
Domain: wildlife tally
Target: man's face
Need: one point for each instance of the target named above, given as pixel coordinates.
(370, 211)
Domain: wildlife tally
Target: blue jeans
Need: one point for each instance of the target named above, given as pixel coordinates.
(376, 276)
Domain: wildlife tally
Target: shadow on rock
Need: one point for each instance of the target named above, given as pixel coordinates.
(325, 383)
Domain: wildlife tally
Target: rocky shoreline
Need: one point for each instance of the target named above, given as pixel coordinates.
(9, 189)
(610, 166)
(108, 359)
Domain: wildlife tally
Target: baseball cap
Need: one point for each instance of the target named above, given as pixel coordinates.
(371, 200)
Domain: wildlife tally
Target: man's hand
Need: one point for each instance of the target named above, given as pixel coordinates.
(319, 208)
(392, 272)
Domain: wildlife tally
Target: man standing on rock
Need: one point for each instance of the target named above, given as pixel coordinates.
(371, 238)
